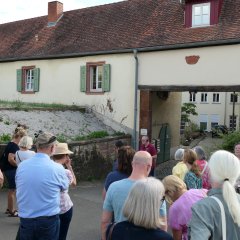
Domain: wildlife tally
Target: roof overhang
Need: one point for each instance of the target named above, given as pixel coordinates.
(128, 50)
(190, 88)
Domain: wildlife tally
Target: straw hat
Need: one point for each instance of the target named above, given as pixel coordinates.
(62, 148)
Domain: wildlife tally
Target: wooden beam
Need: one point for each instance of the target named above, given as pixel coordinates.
(175, 88)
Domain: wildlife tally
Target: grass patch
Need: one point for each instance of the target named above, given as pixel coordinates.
(19, 105)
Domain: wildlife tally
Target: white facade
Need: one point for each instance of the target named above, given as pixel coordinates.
(213, 108)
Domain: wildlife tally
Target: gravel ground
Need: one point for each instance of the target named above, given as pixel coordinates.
(67, 123)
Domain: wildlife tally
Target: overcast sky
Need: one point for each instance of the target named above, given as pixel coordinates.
(12, 10)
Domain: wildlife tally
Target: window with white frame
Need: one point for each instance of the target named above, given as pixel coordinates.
(204, 97)
(201, 14)
(96, 78)
(203, 122)
(192, 97)
(216, 98)
(28, 79)
(214, 120)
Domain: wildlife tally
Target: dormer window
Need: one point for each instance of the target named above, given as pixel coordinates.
(200, 15)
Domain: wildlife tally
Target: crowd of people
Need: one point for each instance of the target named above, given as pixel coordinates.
(201, 196)
(200, 200)
(38, 181)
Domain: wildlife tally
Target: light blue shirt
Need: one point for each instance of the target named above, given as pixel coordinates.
(39, 181)
(116, 196)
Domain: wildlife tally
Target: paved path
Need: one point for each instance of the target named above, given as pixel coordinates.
(86, 217)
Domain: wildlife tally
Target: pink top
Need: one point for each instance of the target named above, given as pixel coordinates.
(65, 200)
(180, 211)
(206, 174)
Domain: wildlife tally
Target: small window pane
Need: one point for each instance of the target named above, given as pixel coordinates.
(197, 11)
(197, 20)
(205, 19)
(205, 10)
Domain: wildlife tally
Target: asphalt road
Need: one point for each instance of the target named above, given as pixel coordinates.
(87, 211)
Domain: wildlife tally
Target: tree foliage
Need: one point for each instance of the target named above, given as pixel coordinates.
(187, 110)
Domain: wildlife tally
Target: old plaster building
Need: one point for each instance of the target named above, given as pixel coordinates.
(128, 61)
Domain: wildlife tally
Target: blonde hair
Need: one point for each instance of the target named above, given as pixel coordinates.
(190, 157)
(225, 170)
(19, 132)
(26, 142)
(174, 184)
(143, 203)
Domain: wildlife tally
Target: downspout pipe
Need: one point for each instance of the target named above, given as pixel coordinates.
(134, 140)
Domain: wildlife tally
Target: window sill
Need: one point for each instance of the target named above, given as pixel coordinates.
(94, 93)
(216, 103)
(204, 103)
(24, 92)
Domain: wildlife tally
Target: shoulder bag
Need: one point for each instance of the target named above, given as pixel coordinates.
(110, 231)
(224, 234)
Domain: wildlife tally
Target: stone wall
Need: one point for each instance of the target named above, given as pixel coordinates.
(92, 159)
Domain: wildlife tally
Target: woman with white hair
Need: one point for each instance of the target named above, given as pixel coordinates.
(180, 169)
(218, 216)
(25, 144)
(142, 212)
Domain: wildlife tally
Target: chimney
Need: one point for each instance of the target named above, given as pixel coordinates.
(55, 11)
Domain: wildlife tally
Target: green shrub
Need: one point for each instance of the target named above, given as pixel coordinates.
(230, 140)
(118, 133)
(98, 134)
(4, 138)
(62, 138)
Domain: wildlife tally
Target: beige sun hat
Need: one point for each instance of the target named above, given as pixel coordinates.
(62, 148)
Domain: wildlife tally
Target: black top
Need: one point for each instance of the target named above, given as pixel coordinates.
(10, 148)
(128, 231)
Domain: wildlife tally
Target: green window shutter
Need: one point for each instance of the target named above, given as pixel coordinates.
(19, 80)
(106, 77)
(83, 76)
(36, 73)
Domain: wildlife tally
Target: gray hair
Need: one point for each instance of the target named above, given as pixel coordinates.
(26, 142)
(200, 153)
(179, 154)
(143, 203)
(225, 170)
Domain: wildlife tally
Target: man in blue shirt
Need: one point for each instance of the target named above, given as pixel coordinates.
(39, 181)
(118, 192)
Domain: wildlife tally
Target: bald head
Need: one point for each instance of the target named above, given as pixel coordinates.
(142, 157)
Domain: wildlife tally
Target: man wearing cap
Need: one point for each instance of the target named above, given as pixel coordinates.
(39, 181)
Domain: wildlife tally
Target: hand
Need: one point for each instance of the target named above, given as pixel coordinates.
(68, 163)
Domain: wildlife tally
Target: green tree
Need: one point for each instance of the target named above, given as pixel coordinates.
(187, 110)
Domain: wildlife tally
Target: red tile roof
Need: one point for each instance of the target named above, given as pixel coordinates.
(113, 27)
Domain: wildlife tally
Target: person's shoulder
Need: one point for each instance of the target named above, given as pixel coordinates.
(162, 234)
(120, 184)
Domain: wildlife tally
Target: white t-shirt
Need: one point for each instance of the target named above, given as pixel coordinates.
(23, 155)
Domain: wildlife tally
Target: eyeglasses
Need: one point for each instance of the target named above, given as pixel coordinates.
(162, 200)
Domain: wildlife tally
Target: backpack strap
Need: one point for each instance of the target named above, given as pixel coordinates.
(18, 157)
(205, 167)
(224, 233)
